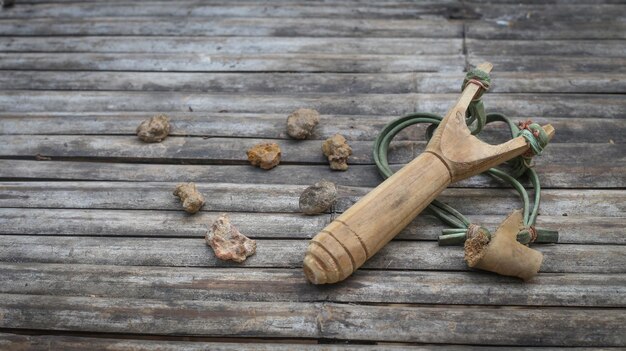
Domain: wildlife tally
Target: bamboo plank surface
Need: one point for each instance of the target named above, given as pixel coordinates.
(234, 45)
(554, 105)
(177, 252)
(271, 27)
(273, 126)
(236, 62)
(312, 320)
(607, 159)
(285, 83)
(573, 229)
(284, 198)
(551, 63)
(553, 175)
(285, 285)
(94, 249)
(606, 48)
(549, 30)
(75, 343)
(426, 9)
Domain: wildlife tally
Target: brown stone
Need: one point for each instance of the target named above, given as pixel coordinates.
(190, 196)
(337, 150)
(227, 242)
(318, 198)
(301, 122)
(155, 129)
(266, 155)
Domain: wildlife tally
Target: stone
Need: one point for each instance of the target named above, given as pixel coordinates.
(154, 130)
(337, 150)
(318, 198)
(301, 122)
(265, 155)
(227, 242)
(190, 196)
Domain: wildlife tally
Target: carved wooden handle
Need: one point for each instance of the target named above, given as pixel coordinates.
(451, 155)
(346, 243)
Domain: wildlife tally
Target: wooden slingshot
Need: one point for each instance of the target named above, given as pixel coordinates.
(451, 155)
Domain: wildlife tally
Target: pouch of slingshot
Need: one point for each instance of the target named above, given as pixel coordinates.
(502, 253)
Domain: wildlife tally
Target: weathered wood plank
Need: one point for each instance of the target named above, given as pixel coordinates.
(536, 30)
(426, 9)
(573, 229)
(273, 126)
(75, 343)
(172, 343)
(281, 285)
(547, 13)
(271, 27)
(554, 105)
(288, 83)
(233, 63)
(234, 45)
(552, 175)
(255, 197)
(550, 63)
(482, 325)
(182, 252)
(606, 48)
(606, 160)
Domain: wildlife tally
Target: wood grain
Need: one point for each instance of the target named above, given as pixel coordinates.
(284, 198)
(234, 45)
(282, 62)
(573, 229)
(271, 27)
(179, 252)
(129, 269)
(312, 320)
(76, 343)
(547, 105)
(553, 175)
(287, 83)
(606, 48)
(285, 285)
(550, 63)
(273, 126)
(426, 9)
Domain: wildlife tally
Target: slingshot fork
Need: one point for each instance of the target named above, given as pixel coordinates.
(452, 154)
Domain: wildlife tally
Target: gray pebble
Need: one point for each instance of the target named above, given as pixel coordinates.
(318, 198)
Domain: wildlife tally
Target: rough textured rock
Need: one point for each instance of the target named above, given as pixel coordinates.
(301, 122)
(318, 198)
(227, 242)
(337, 150)
(190, 196)
(266, 155)
(154, 130)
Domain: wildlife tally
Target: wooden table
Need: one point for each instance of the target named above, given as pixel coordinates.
(95, 252)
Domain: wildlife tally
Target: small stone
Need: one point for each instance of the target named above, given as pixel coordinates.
(155, 129)
(227, 242)
(318, 198)
(301, 122)
(266, 155)
(337, 150)
(190, 196)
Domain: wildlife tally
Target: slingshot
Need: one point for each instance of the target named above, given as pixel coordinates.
(452, 154)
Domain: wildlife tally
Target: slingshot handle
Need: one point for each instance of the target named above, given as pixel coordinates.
(346, 243)
(452, 154)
